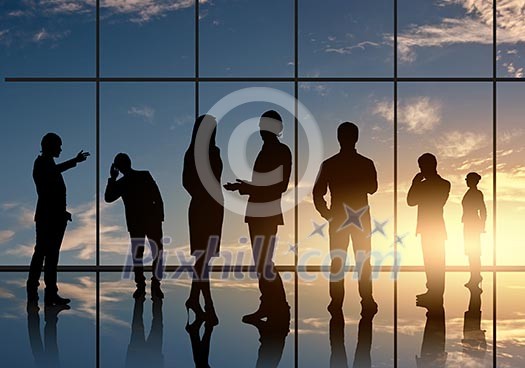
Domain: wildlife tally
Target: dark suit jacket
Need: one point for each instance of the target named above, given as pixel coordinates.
(273, 157)
(430, 196)
(51, 188)
(350, 177)
(141, 196)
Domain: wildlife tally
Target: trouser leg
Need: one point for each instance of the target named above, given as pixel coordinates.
(157, 248)
(137, 252)
(263, 240)
(434, 258)
(338, 253)
(56, 235)
(362, 245)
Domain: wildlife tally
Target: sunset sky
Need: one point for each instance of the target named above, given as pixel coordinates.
(153, 121)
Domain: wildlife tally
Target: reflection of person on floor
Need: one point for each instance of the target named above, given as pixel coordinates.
(271, 174)
(144, 352)
(474, 340)
(474, 219)
(362, 358)
(272, 336)
(51, 219)
(46, 356)
(350, 177)
(205, 214)
(144, 216)
(200, 346)
(429, 192)
(433, 354)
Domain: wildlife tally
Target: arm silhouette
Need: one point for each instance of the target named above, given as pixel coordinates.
(319, 191)
(157, 197)
(415, 192)
(371, 185)
(69, 164)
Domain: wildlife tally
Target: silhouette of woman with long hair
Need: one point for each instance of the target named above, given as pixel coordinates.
(474, 218)
(205, 214)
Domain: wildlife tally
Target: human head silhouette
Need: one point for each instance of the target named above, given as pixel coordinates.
(123, 163)
(207, 123)
(51, 145)
(270, 125)
(427, 164)
(472, 179)
(347, 135)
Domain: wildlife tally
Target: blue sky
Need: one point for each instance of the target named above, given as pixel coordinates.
(153, 121)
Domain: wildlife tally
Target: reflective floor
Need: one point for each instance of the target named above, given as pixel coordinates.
(154, 334)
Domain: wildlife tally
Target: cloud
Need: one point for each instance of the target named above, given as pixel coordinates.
(512, 70)
(6, 235)
(137, 11)
(475, 26)
(456, 144)
(144, 112)
(320, 89)
(44, 35)
(345, 50)
(80, 234)
(417, 115)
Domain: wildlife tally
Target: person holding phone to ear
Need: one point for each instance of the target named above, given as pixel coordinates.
(144, 216)
(429, 192)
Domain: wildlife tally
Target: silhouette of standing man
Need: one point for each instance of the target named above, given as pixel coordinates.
(271, 174)
(350, 177)
(429, 192)
(474, 219)
(144, 216)
(51, 219)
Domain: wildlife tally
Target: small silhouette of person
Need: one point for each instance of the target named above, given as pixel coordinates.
(205, 215)
(200, 346)
(350, 178)
(271, 174)
(429, 192)
(51, 218)
(362, 357)
(146, 352)
(474, 340)
(433, 354)
(474, 219)
(144, 216)
(45, 353)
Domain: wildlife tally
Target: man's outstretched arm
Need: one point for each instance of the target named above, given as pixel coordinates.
(66, 165)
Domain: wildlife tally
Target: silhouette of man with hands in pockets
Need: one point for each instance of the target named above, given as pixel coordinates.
(350, 177)
(144, 216)
(51, 219)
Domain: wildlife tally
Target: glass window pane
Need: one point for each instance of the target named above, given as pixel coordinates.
(453, 121)
(240, 142)
(326, 341)
(510, 174)
(346, 38)
(151, 123)
(238, 38)
(458, 333)
(147, 38)
(30, 111)
(53, 337)
(510, 38)
(370, 107)
(511, 348)
(40, 38)
(127, 323)
(445, 38)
